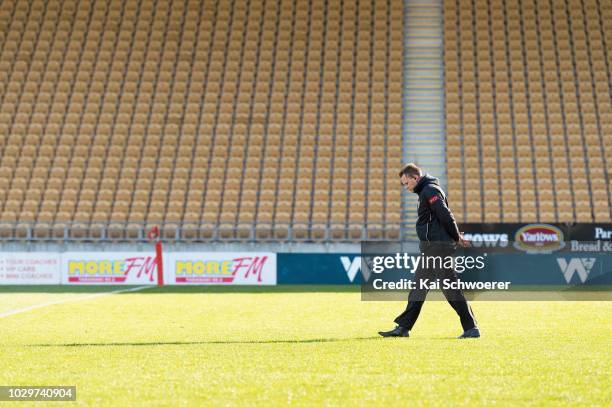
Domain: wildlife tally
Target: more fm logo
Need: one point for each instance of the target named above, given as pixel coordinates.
(112, 271)
(220, 271)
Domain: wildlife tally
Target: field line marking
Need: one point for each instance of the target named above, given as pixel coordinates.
(88, 297)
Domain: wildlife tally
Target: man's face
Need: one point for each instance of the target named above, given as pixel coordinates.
(409, 182)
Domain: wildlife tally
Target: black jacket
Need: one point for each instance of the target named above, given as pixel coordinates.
(435, 223)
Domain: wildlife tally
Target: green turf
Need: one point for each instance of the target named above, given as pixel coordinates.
(295, 345)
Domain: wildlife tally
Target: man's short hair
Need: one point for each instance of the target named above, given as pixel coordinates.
(410, 170)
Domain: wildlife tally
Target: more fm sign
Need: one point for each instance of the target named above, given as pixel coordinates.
(179, 268)
(109, 268)
(224, 268)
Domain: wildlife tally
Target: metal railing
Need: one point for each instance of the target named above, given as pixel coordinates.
(190, 232)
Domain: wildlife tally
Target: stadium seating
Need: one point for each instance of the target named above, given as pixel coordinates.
(215, 119)
(281, 120)
(528, 110)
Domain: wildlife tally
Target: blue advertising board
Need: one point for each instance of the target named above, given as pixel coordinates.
(553, 269)
(318, 268)
(536, 253)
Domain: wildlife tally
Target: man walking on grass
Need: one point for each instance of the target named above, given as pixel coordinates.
(439, 236)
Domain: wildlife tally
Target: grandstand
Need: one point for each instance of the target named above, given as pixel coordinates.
(528, 110)
(221, 119)
(281, 120)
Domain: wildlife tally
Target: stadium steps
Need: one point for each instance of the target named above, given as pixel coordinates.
(423, 98)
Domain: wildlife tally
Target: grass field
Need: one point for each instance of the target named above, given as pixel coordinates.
(276, 346)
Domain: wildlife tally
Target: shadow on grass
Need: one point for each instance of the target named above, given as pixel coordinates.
(271, 341)
(59, 289)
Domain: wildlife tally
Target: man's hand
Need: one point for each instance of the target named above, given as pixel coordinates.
(463, 242)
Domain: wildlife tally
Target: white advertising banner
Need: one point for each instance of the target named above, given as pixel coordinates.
(29, 268)
(220, 268)
(109, 268)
